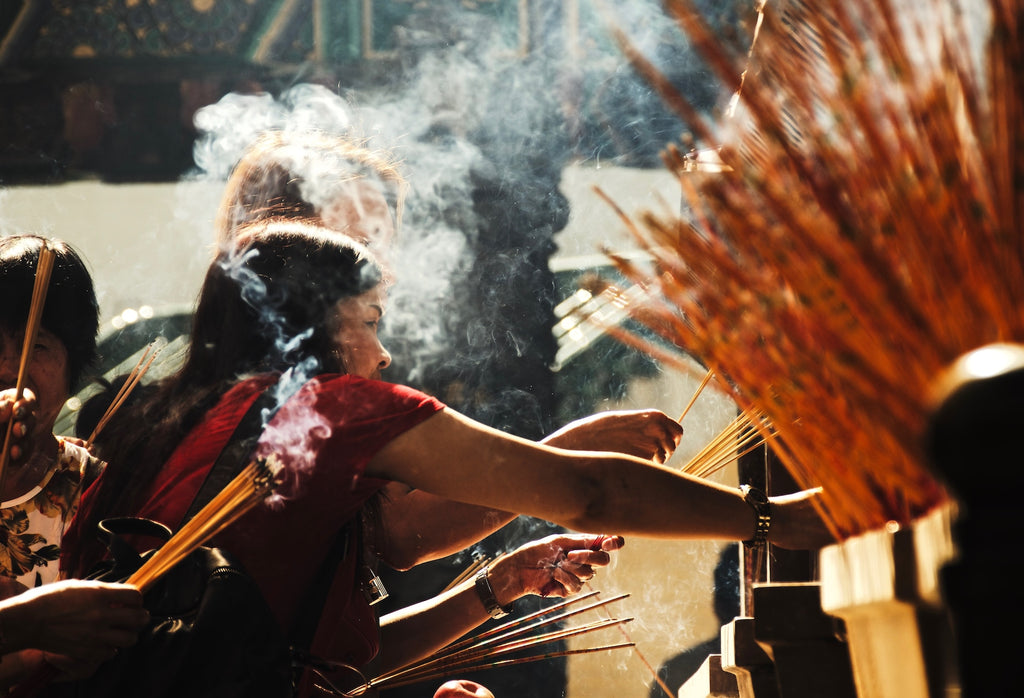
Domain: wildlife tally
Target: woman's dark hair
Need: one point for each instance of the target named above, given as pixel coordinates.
(71, 312)
(263, 308)
(263, 304)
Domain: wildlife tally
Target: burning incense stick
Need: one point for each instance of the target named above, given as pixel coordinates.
(250, 487)
(44, 268)
(484, 656)
(133, 378)
(500, 663)
(745, 433)
(503, 633)
(246, 490)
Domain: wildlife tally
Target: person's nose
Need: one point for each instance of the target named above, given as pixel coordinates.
(385, 358)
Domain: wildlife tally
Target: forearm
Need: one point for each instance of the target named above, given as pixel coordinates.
(421, 527)
(416, 632)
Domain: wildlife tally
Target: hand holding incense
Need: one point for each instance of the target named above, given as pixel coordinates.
(44, 268)
(250, 487)
(646, 433)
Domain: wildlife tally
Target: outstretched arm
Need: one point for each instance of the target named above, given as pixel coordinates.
(452, 456)
(406, 542)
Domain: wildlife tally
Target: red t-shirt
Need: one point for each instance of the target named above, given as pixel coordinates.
(324, 434)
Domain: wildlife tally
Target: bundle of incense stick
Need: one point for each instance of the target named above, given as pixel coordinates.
(505, 645)
(863, 232)
(250, 487)
(131, 380)
(246, 490)
(748, 431)
(44, 269)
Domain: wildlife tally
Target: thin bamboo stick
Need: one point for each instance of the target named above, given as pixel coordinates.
(462, 660)
(502, 663)
(700, 388)
(477, 565)
(131, 380)
(504, 632)
(44, 269)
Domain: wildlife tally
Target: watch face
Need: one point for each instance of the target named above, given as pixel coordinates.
(754, 495)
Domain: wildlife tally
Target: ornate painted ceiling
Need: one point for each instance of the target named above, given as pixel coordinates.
(109, 87)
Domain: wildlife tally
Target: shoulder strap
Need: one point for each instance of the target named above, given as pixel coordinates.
(307, 619)
(235, 455)
(229, 463)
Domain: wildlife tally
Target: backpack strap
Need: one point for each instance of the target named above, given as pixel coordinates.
(307, 619)
(232, 459)
(235, 455)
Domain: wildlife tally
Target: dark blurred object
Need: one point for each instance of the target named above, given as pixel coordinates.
(118, 351)
(974, 443)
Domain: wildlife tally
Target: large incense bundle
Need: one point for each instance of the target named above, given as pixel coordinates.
(861, 231)
(247, 489)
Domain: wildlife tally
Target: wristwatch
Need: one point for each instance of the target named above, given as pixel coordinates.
(762, 507)
(487, 597)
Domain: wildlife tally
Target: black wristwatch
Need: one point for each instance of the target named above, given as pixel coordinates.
(487, 597)
(762, 507)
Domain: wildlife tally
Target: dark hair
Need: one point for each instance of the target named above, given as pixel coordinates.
(263, 304)
(263, 308)
(71, 312)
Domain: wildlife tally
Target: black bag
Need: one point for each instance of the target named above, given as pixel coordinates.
(211, 632)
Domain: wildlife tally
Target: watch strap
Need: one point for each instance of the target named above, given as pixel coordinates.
(485, 591)
(762, 507)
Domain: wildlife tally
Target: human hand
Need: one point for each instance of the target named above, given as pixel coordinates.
(461, 688)
(84, 621)
(797, 523)
(649, 434)
(558, 565)
(10, 587)
(23, 412)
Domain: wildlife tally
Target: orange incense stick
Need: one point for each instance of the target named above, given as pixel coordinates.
(44, 268)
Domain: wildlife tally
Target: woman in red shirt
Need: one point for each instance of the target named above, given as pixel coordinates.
(300, 305)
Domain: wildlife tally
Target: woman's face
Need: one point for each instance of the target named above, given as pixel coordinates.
(362, 212)
(46, 374)
(353, 326)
